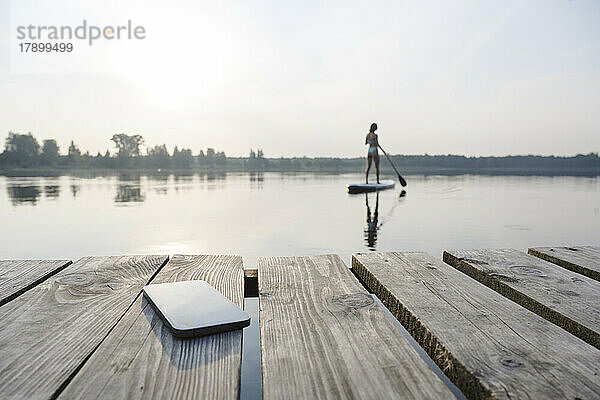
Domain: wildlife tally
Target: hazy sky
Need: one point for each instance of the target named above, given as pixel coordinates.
(307, 78)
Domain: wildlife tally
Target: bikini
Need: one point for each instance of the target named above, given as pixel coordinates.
(372, 147)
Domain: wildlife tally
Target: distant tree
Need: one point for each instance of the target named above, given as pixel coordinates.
(128, 149)
(182, 158)
(256, 160)
(285, 163)
(74, 150)
(158, 156)
(50, 152)
(107, 160)
(187, 158)
(262, 162)
(74, 154)
(127, 145)
(86, 159)
(220, 158)
(201, 158)
(22, 150)
(210, 157)
(26, 144)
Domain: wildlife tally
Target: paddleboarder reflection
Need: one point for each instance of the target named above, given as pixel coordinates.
(371, 228)
(373, 223)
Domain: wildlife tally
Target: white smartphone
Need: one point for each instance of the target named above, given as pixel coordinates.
(194, 308)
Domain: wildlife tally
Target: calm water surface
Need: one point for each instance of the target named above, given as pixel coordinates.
(289, 214)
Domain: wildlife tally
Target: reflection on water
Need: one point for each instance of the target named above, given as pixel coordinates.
(129, 188)
(257, 180)
(214, 176)
(373, 223)
(127, 193)
(160, 183)
(183, 182)
(75, 188)
(23, 194)
(52, 191)
(371, 228)
(265, 214)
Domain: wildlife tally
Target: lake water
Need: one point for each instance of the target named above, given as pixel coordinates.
(289, 214)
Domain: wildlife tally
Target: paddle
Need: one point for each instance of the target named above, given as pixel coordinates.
(400, 178)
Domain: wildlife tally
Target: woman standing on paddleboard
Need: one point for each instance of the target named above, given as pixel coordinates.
(372, 154)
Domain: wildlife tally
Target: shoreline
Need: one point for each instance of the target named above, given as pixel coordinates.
(94, 172)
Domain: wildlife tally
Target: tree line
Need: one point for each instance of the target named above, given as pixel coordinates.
(24, 151)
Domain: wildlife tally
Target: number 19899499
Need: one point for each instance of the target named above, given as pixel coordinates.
(46, 47)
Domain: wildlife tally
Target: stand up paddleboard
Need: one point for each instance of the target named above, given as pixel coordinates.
(371, 187)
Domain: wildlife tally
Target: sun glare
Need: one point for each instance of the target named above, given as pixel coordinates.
(157, 65)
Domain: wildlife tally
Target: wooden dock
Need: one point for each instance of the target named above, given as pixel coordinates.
(584, 260)
(498, 324)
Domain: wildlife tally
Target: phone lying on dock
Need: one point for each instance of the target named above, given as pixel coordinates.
(194, 308)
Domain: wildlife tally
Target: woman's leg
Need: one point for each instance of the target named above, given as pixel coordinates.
(377, 167)
(369, 159)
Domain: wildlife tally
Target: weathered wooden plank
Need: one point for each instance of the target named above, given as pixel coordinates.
(323, 336)
(142, 359)
(584, 260)
(564, 298)
(18, 276)
(49, 331)
(488, 345)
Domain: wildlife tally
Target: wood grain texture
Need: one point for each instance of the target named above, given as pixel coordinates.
(49, 331)
(488, 345)
(142, 359)
(18, 276)
(564, 298)
(323, 336)
(584, 260)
